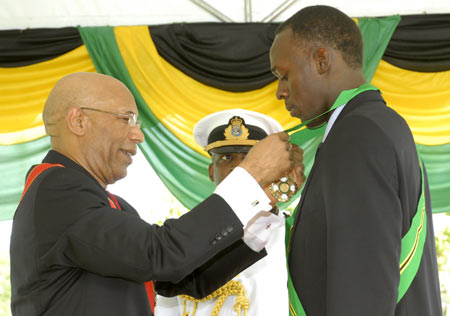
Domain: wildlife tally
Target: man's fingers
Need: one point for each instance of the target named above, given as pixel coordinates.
(296, 149)
(272, 158)
(296, 157)
(296, 154)
(283, 136)
(298, 175)
(291, 153)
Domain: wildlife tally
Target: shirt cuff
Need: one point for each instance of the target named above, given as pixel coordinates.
(243, 194)
(256, 235)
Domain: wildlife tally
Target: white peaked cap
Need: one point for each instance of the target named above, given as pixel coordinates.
(206, 125)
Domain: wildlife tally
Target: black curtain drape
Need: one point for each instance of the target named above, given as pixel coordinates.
(27, 47)
(219, 54)
(421, 43)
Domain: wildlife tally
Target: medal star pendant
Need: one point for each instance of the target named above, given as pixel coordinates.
(284, 189)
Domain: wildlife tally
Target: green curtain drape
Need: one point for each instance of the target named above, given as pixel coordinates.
(437, 160)
(377, 33)
(15, 160)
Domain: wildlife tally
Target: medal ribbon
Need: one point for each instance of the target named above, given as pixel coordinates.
(341, 100)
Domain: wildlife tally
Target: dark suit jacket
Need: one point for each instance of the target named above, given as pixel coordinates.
(357, 205)
(72, 254)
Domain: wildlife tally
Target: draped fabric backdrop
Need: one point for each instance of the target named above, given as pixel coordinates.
(181, 72)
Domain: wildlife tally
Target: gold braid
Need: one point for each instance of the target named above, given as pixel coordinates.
(231, 288)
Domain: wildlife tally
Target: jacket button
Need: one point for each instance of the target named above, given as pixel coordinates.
(213, 242)
(218, 237)
(224, 232)
(229, 228)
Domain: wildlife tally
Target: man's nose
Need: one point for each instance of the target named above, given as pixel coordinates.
(136, 134)
(282, 92)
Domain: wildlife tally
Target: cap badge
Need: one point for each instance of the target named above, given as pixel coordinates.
(236, 129)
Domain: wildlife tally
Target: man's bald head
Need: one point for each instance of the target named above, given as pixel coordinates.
(78, 89)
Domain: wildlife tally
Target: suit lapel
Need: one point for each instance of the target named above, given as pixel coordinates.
(302, 199)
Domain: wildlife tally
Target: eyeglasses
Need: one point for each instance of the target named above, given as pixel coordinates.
(130, 118)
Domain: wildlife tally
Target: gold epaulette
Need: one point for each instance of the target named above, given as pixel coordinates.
(231, 288)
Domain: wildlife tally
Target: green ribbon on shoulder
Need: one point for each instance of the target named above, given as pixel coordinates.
(342, 99)
(412, 243)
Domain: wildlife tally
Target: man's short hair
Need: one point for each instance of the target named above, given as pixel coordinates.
(324, 25)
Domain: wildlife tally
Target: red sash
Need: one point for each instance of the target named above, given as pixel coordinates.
(37, 170)
(148, 285)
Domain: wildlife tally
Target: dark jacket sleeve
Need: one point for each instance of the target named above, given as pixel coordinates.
(214, 274)
(77, 228)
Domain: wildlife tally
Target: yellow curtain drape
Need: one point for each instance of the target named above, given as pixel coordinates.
(179, 101)
(423, 99)
(23, 91)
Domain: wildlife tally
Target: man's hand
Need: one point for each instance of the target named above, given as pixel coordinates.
(272, 158)
(296, 174)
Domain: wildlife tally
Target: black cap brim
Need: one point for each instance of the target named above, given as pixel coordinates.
(230, 149)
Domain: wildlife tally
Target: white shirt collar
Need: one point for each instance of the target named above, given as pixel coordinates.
(332, 119)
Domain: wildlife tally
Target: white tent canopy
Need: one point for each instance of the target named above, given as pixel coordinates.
(22, 14)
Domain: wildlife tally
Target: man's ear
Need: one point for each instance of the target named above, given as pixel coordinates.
(322, 60)
(211, 172)
(76, 121)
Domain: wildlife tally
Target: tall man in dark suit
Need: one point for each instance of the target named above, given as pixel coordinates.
(361, 243)
(78, 250)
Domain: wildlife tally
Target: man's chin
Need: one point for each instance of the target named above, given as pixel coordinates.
(316, 123)
(118, 175)
(294, 113)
